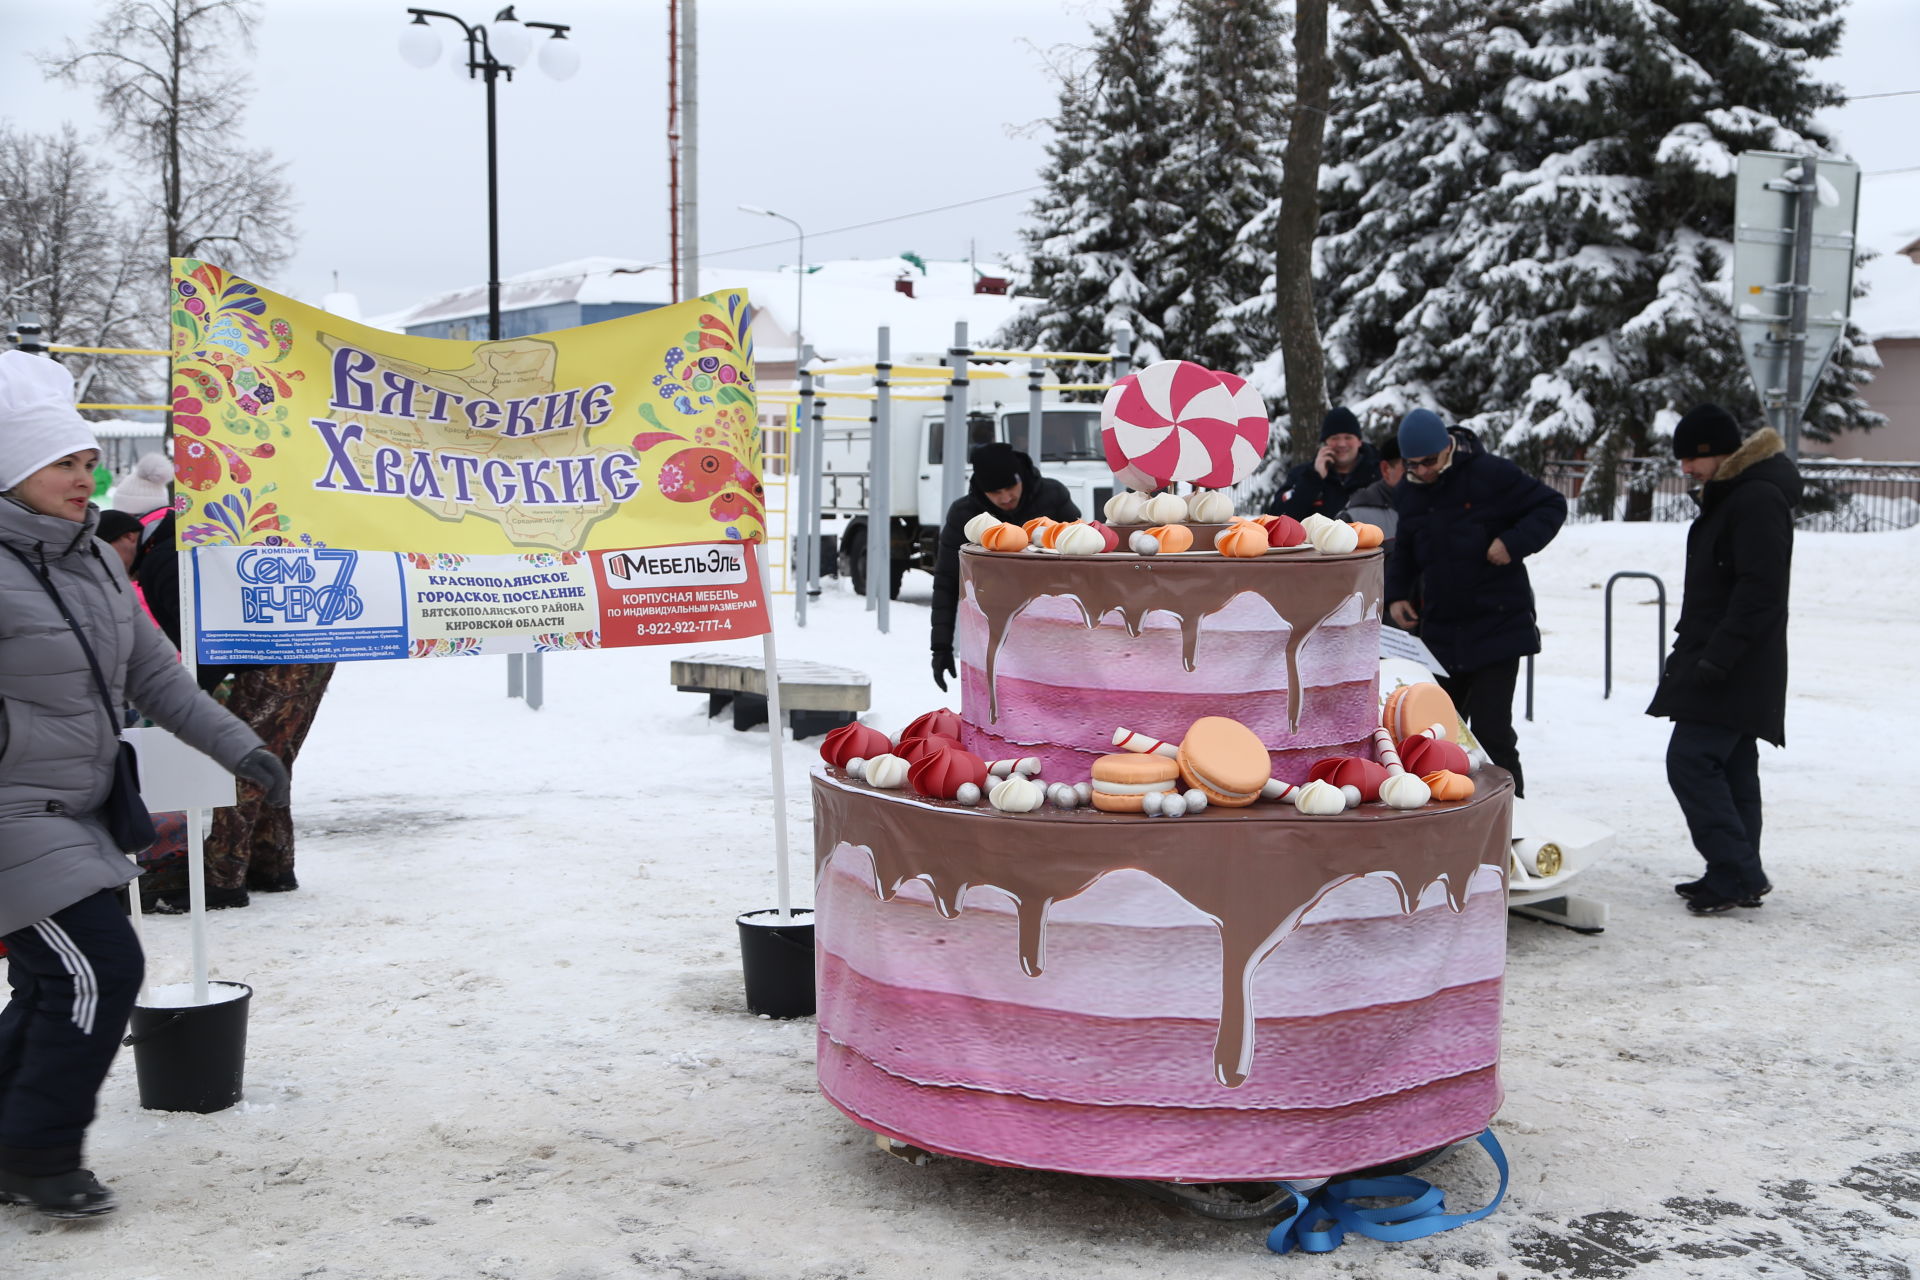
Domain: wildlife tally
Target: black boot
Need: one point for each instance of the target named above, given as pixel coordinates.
(74, 1194)
(178, 904)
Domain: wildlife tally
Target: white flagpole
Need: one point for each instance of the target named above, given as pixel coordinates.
(196, 872)
(777, 743)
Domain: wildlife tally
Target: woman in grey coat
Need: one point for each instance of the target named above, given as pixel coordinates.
(73, 961)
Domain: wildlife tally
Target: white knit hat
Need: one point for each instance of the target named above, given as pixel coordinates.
(38, 423)
(145, 487)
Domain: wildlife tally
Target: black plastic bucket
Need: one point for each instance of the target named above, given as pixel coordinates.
(191, 1058)
(778, 961)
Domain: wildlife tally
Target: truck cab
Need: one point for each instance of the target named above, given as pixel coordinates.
(1069, 451)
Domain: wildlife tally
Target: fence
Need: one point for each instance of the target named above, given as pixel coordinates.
(1841, 496)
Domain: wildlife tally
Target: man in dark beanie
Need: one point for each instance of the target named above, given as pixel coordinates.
(1005, 484)
(1344, 465)
(1468, 523)
(1725, 684)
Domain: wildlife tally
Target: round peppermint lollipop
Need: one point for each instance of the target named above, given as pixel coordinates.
(1175, 421)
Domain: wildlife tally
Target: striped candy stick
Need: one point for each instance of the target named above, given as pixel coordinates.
(1025, 766)
(1383, 748)
(1274, 789)
(1128, 740)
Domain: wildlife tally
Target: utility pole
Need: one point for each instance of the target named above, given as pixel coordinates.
(689, 151)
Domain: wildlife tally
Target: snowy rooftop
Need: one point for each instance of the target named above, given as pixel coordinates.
(1889, 222)
(845, 300)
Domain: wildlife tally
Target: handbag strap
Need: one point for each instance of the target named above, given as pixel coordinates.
(99, 680)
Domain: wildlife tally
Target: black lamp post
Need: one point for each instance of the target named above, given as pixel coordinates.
(419, 46)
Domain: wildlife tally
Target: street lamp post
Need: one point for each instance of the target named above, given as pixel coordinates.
(420, 46)
(808, 455)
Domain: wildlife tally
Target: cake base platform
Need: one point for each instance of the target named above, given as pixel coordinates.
(1235, 995)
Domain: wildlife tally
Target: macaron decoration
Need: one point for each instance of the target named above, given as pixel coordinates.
(940, 773)
(854, 742)
(977, 527)
(1005, 537)
(1242, 540)
(1122, 780)
(1172, 538)
(1351, 771)
(1284, 531)
(1224, 759)
(1422, 755)
(1414, 707)
(1447, 785)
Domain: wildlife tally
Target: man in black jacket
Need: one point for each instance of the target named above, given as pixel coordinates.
(1006, 484)
(1345, 465)
(1467, 521)
(1725, 684)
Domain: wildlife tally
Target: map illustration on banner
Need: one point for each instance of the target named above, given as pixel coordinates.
(349, 493)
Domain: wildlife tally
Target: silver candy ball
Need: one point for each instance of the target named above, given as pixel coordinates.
(968, 794)
(1196, 800)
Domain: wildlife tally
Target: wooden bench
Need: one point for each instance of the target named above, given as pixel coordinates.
(815, 697)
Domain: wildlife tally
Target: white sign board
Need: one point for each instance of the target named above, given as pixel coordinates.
(1395, 643)
(1765, 217)
(173, 776)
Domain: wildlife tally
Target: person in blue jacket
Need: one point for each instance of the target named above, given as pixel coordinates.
(1457, 575)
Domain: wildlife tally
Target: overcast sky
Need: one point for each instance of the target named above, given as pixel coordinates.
(834, 112)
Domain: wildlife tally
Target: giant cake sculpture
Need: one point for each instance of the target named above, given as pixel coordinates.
(1163, 900)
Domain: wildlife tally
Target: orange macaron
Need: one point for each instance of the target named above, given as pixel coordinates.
(1226, 760)
(1120, 781)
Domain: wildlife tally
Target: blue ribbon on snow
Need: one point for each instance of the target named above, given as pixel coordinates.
(1321, 1221)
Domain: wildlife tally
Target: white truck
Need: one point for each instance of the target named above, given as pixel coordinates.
(1068, 451)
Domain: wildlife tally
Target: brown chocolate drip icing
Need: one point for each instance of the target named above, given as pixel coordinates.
(1304, 587)
(1253, 872)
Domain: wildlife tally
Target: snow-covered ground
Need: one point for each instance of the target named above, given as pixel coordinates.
(499, 1032)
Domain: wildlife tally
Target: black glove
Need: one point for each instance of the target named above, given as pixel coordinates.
(943, 665)
(1708, 674)
(263, 767)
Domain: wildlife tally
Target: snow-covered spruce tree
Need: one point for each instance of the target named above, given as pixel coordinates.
(1529, 213)
(1230, 116)
(1111, 199)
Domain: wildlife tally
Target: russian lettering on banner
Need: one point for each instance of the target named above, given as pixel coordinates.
(349, 493)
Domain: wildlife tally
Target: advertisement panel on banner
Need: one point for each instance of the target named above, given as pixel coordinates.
(349, 493)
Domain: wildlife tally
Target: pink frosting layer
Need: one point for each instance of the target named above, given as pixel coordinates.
(1192, 1144)
(1242, 647)
(933, 1038)
(1129, 947)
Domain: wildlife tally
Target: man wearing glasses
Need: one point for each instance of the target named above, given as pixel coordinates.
(1468, 520)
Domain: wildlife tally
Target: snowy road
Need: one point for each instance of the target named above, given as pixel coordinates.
(499, 1031)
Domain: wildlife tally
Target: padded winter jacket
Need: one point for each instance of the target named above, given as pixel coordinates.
(1306, 492)
(56, 740)
(1733, 611)
(1473, 613)
(1039, 496)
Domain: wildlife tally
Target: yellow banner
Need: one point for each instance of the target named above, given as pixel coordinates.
(296, 428)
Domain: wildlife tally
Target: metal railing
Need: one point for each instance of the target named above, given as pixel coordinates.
(1841, 496)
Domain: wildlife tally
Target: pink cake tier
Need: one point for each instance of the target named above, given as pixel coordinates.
(1235, 995)
(1057, 651)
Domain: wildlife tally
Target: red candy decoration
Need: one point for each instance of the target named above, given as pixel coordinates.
(914, 750)
(940, 773)
(851, 742)
(1350, 771)
(1285, 531)
(942, 722)
(1424, 755)
(1107, 535)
